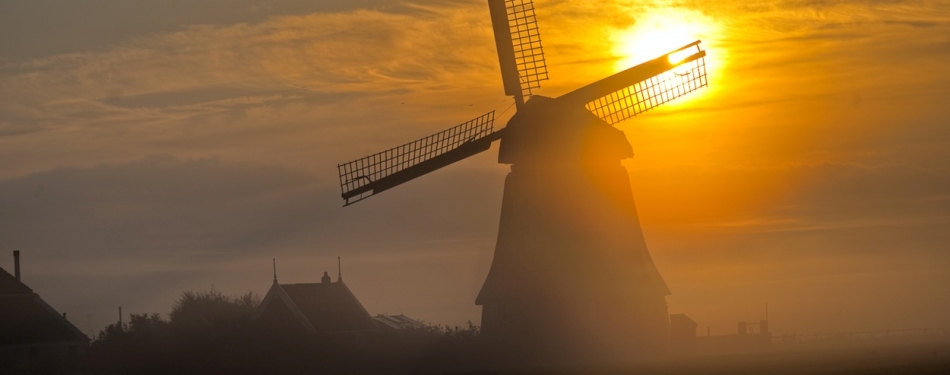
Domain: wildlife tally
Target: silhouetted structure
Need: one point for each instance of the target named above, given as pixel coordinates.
(569, 247)
(682, 333)
(397, 322)
(32, 333)
(571, 275)
(326, 307)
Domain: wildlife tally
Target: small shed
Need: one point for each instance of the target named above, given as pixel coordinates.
(683, 333)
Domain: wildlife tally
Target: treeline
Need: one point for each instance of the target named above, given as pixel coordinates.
(208, 332)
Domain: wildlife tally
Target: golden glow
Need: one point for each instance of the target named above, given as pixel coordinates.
(678, 56)
(661, 30)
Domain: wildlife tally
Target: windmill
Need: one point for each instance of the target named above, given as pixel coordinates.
(571, 268)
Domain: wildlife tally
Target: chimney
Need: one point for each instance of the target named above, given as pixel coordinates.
(326, 278)
(16, 264)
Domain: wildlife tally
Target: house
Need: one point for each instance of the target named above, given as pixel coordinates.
(327, 307)
(32, 333)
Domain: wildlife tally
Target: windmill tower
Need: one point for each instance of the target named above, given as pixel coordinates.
(571, 270)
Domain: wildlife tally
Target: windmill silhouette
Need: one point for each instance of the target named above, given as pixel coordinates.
(571, 270)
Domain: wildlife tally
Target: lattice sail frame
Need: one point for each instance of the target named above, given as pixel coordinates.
(360, 172)
(526, 40)
(650, 93)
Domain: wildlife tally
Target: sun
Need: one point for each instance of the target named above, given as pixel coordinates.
(661, 30)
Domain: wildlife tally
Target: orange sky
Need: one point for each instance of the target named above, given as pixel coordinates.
(150, 149)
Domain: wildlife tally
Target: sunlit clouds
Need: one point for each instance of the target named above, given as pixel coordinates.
(658, 31)
(815, 159)
(227, 81)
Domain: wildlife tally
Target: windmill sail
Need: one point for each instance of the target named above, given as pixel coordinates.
(518, 40)
(364, 177)
(643, 87)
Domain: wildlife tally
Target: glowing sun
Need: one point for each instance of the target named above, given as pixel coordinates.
(661, 30)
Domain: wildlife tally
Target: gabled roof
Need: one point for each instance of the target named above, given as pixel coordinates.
(10, 285)
(26, 319)
(318, 307)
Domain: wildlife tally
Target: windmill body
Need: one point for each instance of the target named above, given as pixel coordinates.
(571, 272)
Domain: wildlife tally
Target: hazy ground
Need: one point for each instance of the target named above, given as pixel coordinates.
(929, 358)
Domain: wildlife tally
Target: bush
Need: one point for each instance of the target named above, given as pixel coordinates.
(139, 326)
(211, 313)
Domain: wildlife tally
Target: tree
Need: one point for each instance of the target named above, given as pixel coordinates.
(212, 312)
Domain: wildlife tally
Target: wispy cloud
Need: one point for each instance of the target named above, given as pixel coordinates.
(231, 80)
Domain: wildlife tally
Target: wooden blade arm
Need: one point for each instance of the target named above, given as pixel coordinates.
(628, 77)
(463, 151)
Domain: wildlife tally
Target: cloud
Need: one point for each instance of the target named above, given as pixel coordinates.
(794, 196)
(231, 87)
(162, 208)
(47, 27)
(157, 208)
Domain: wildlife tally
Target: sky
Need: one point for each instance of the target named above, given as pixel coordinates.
(149, 148)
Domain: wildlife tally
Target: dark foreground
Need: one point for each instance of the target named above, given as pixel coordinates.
(930, 358)
(208, 333)
(446, 357)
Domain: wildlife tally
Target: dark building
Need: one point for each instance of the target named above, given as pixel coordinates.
(327, 307)
(32, 334)
(682, 333)
(570, 247)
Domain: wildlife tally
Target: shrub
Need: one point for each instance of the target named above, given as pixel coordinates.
(212, 312)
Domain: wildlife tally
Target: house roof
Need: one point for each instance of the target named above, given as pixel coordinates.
(682, 320)
(320, 307)
(26, 319)
(10, 285)
(397, 322)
